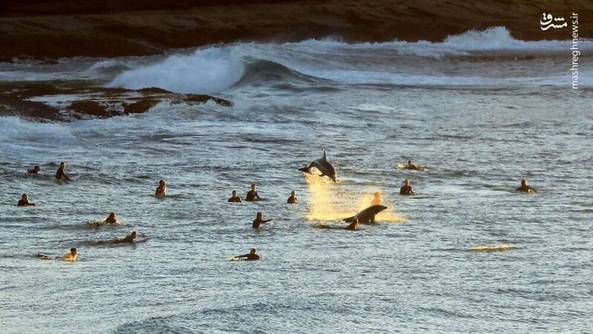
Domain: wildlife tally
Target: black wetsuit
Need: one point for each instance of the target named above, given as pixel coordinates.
(406, 191)
(257, 223)
(235, 199)
(526, 189)
(61, 175)
(127, 239)
(252, 196)
(249, 257)
(24, 203)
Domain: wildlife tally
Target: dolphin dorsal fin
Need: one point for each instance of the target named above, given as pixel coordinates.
(324, 158)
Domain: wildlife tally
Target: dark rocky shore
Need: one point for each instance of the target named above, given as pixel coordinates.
(50, 29)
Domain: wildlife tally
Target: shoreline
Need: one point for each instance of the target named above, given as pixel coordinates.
(40, 31)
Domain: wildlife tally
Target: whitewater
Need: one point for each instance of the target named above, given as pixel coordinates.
(467, 254)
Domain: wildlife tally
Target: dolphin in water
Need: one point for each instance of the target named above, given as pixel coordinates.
(367, 215)
(323, 166)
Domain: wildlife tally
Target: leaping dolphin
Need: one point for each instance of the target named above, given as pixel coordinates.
(367, 215)
(323, 166)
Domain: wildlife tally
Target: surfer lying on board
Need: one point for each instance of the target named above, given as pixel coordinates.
(292, 199)
(128, 239)
(406, 189)
(34, 170)
(234, 197)
(24, 201)
(259, 219)
(111, 219)
(70, 256)
(252, 194)
(526, 188)
(61, 172)
(412, 166)
(252, 256)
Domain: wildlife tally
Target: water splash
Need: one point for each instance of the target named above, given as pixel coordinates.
(329, 201)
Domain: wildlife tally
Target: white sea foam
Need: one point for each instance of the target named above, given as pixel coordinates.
(205, 71)
(216, 69)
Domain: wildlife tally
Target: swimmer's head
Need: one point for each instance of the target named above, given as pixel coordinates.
(293, 193)
(253, 250)
(36, 168)
(409, 162)
(112, 215)
(259, 215)
(253, 187)
(162, 182)
(73, 251)
(377, 194)
(133, 235)
(62, 164)
(234, 193)
(523, 182)
(24, 196)
(407, 182)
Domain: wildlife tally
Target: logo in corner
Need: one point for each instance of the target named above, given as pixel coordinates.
(548, 21)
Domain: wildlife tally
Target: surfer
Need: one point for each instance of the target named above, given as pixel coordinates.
(252, 194)
(71, 256)
(412, 166)
(24, 201)
(259, 219)
(526, 188)
(353, 226)
(234, 197)
(61, 172)
(35, 170)
(252, 256)
(111, 219)
(161, 189)
(292, 199)
(376, 199)
(406, 189)
(130, 238)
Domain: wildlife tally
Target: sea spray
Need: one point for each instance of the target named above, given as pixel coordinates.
(204, 71)
(330, 201)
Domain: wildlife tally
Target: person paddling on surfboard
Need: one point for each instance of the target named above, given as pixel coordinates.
(161, 189)
(61, 172)
(24, 201)
(526, 188)
(35, 170)
(412, 166)
(71, 256)
(252, 256)
(259, 219)
(131, 238)
(111, 219)
(234, 197)
(252, 195)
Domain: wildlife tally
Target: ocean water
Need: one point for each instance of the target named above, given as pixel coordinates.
(481, 110)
